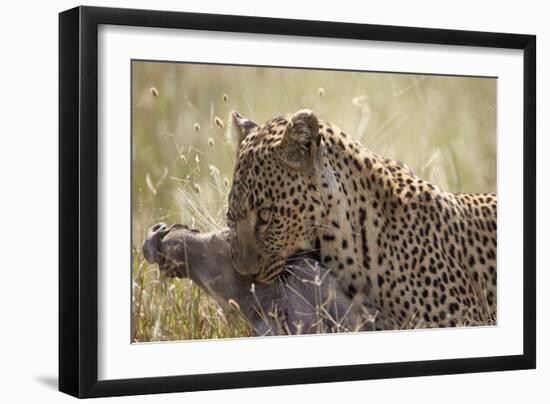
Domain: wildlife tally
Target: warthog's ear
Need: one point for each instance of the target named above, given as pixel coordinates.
(239, 127)
(301, 145)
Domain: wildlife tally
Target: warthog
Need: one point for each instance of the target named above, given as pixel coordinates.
(305, 299)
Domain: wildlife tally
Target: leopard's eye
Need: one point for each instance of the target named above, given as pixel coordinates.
(264, 216)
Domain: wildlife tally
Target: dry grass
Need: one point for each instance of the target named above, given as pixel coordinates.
(444, 128)
(173, 309)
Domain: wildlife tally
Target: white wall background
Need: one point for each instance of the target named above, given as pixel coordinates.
(28, 199)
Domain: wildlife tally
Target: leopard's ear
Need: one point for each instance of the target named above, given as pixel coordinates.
(301, 143)
(239, 127)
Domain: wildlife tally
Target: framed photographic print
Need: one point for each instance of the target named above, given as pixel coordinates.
(251, 201)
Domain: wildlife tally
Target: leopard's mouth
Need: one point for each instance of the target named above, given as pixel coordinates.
(313, 254)
(293, 261)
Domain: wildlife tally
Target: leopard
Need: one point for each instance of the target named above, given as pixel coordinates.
(419, 255)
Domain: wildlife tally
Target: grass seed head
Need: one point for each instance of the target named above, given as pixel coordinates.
(234, 304)
(219, 123)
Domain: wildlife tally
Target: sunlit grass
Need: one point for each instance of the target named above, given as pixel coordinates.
(444, 128)
(171, 309)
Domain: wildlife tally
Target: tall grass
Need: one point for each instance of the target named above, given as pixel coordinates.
(444, 128)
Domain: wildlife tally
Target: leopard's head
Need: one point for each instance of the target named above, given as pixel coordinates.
(274, 202)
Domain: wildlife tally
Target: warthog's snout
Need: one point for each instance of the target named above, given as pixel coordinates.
(175, 248)
(152, 242)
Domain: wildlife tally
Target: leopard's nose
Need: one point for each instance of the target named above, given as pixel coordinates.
(150, 245)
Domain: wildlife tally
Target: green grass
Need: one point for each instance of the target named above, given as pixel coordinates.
(444, 128)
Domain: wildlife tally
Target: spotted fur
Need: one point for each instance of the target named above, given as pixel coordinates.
(395, 242)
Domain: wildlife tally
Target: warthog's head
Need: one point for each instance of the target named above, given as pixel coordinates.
(305, 299)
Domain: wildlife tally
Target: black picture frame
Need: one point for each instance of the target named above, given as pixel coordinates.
(78, 200)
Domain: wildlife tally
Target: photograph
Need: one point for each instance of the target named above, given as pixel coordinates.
(277, 201)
